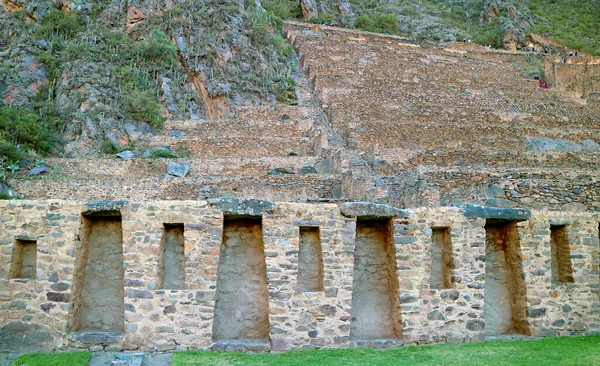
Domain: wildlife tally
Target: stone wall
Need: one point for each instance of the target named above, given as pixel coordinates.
(577, 77)
(41, 313)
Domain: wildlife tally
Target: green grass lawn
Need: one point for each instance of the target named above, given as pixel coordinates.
(549, 351)
(54, 359)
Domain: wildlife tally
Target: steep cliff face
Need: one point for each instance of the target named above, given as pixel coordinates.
(112, 71)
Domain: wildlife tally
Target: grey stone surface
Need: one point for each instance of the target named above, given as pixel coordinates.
(323, 166)
(307, 169)
(546, 144)
(509, 214)
(40, 169)
(590, 146)
(21, 337)
(104, 208)
(126, 155)
(280, 171)
(241, 206)
(177, 169)
(371, 210)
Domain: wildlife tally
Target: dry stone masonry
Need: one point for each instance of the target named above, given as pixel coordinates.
(278, 276)
(414, 194)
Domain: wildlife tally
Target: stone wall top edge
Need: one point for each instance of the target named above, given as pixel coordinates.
(287, 205)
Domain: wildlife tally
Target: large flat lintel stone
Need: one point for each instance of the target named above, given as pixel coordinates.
(241, 206)
(104, 208)
(371, 210)
(496, 213)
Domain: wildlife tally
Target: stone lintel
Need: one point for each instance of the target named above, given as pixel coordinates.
(371, 210)
(241, 206)
(26, 237)
(104, 208)
(559, 222)
(496, 213)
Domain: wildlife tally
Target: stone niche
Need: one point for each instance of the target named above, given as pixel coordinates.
(98, 284)
(310, 260)
(505, 290)
(562, 268)
(242, 297)
(173, 257)
(24, 259)
(441, 258)
(375, 298)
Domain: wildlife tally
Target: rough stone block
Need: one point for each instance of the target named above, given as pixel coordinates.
(177, 169)
(371, 210)
(104, 208)
(504, 214)
(241, 206)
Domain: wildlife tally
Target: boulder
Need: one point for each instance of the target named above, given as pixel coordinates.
(126, 155)
(40, 169)
(177, 169)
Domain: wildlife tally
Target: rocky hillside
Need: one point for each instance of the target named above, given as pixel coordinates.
(501, 23)
(82, 78)
(79, 78)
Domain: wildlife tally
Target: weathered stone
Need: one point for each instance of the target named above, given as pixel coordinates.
(139, 294)
(508, 214)
(170, 309)
(177, 169)
(58, 296)
(241, 206)
(280, 171)
(104, 208)
(407, 299)
(164, 345)
(47, 306)
(126, 155)
(38, 170)
(449, 294)
(590, 146)
(536, 312)
(307, 169)
(92, 338)
(62, 286)
(475, 325)
(371, 210)
(547, 144)
(495, 191)
(436, 315)
(22, 337)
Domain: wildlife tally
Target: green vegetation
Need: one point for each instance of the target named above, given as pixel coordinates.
(574, 23)
(56, 359)
(380, 23)
(21, 132)
(546, 352)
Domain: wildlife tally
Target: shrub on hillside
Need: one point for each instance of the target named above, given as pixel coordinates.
(58, 23)
(380, 23)
(22, 131)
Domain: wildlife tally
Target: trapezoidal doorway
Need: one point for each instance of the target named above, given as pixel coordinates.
(242, 297)
(375, 300)
(98, 286)
(505, 291)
